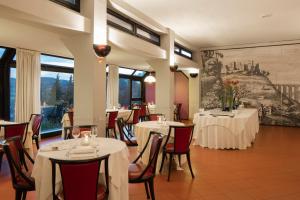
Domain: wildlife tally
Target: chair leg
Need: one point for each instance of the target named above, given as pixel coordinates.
(189, 162)
(147, 190)
(179, 160)
(162, 162)
(106, 133)
(37, 143)
(24, 195)
(151, 186)
(170, 165)
(115, 133)
(18, 195)
(1, 156)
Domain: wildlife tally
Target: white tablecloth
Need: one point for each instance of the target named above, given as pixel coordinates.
(224, 132)
(122, 113)
(118, 167)
(28, 142)
(142, 131)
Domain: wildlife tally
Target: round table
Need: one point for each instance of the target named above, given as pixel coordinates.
(122, 113)
(224, 132)
(118, 166)
(142, 131)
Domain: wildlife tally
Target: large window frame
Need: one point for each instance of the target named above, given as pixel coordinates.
(132, 78)
(69, 5)
(181, 49)
(135, 27)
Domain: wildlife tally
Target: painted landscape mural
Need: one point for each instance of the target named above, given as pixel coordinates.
(268, 79)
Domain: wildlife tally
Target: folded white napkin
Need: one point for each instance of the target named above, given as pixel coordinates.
(83, 150)
(53, 148)
(83, 155)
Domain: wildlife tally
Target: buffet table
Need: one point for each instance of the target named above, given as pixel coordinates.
(225, 132)
(118, 166)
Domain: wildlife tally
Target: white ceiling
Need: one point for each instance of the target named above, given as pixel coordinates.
(211, 23)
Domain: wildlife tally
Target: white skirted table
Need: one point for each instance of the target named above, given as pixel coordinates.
(28, 142)
(142, 131)
(224, 132)
(118, 166)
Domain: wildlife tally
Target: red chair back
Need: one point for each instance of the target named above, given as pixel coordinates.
(120, 123)
(143, 110)
(154, 117)
(71, 117)
(14, 151)
(13, 130)
(112, 116)
(183, 136)
(154, 151)
(78, 186)
(136, 116)
(36, 121)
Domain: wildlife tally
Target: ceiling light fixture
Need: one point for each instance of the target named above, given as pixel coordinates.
(101, 51)
(150, 79)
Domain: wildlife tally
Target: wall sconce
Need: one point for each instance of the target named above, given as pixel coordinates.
(101, 51)
(193, 75)
(174, 68)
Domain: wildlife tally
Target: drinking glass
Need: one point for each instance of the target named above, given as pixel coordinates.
(76, 132)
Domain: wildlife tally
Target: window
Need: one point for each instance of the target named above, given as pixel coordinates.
(123, 23)
(1, 52)
(182, 51)
(57, 90)
(56, 98)
(72, 4)
(131, 84)
(12, 96)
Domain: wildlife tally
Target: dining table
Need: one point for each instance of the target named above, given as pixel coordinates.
(142, 131)
(27, 140)
(118, 165)
(221, 130)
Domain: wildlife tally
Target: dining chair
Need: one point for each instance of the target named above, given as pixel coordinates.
(123, 136)
(69, 129)
(36, 122)
(183, 136)
(177, 112)
(154, 117)
(111, 124)
(140, 173)
(132, 120)
(71, 117)
(83, 185)
(20, 175)
(12, 130)
(143, 112)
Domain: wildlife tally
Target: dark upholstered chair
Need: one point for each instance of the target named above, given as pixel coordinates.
(154, 117)
(20, 175)
(13, 130)
(133, 119)
(123, 136)
(140, 173)
(143, 112)
(183, 136)
(80, 179)
(68, 130)
(177, 112)
(111, 124)
(71, 117)
(36, 122)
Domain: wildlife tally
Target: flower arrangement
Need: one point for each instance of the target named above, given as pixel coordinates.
(230, 95)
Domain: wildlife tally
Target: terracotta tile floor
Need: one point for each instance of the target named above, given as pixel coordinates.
(268, 170)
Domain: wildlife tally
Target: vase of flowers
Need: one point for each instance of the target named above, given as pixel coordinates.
(230, 95)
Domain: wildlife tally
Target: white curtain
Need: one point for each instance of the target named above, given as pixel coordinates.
(27, 85)
(113, 87)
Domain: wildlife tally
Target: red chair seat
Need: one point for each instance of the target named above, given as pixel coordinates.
(101, 192)
(136, 169)
(170, 147)
(22, 183)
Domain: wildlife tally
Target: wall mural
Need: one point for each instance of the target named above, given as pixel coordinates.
(268, 77)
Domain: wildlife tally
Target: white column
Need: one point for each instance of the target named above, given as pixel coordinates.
(89, 74)
(164, 86)
(113, 86)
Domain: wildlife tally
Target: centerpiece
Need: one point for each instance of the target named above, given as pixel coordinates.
(230, 97)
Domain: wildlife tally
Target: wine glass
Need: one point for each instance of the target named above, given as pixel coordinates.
(76, 132)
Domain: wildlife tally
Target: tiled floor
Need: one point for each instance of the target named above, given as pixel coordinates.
(268, 170)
